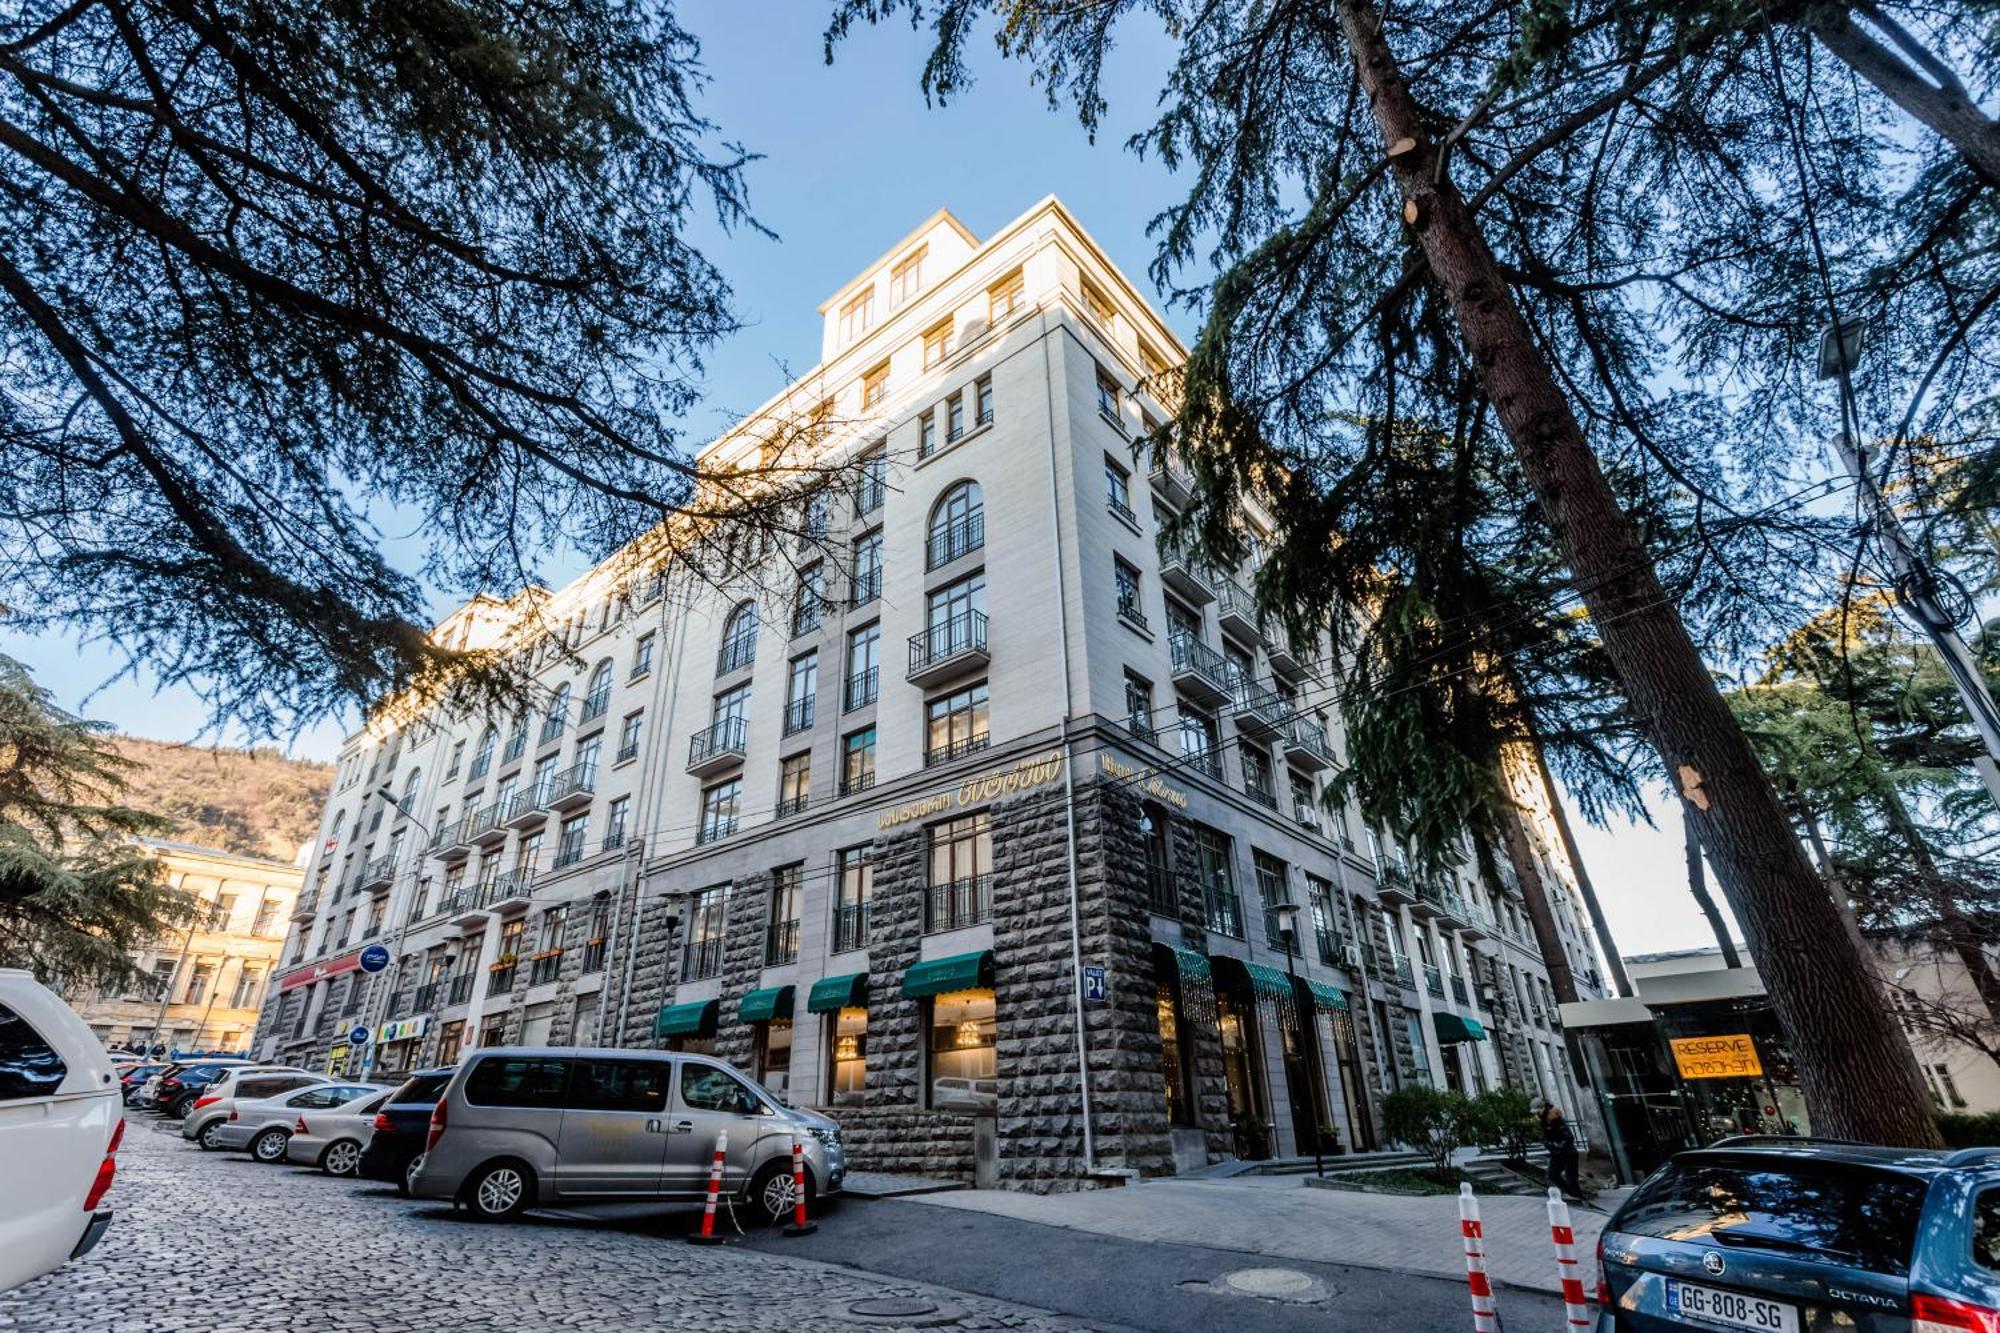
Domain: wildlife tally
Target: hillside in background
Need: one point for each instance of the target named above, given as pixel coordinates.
(256, 802)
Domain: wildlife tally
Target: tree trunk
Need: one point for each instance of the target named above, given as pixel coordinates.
(1698, 887)
(1535, 894)
(1621, 984)
(1945, 112)
(1859, 1075)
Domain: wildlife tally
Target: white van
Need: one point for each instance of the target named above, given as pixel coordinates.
(61, 1118)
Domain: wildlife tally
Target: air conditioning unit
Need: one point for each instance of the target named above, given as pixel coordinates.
(1351, 955)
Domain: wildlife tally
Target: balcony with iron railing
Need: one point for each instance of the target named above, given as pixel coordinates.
(1236, 610)
(427, 996)
(595, 705)
(853, 784)
(1171, 480)
(1396, 967)
(861, 689)
(379, 873)
(810, 613)
(781, 943)
(957, 749)
(1259, 712)
(850, 926)
(1326, 943)
(572, 788)
(545, 967)
(508, 889)
(1223, 909)
(1395, 884)
(737, 652)
(500, 977)
(461, 989)
(866, 587)
(703, 959)
(306, 905)
(1180, 571)
(1305, 745)
(960, 902)
(949, 648)
(1206, 761)
(958, 538)
(1261, 794)
(718, 747)
(552, 727)
(868, 498)
(1434, 980)
(799, 714)
(1129, 610)
(1199, 672)
(517, 745)
(483, 827)
(528, 807)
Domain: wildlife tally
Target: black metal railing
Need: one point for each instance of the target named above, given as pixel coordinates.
(799, 714)
(781, 943)
(944, 754)
(1203, 761)
(596, 705)
(960, 902)
(1223, 909)
(1263, 796)
(791, 805)
(526, 802)
(629, 750)
(544, 968)
(853, 784)
(1327, 942)
(809, 613)
(1189, 654)
(461, 989)
(501, 980)
(1120, 508)
(850, 926)
(961, 536)
(862, 688)
(725, 737)
(569, 851)
(427, 995)
(552, 727)
(869, 498)
(1128, 607)
(867, 587)
(953, 637)
(516, 746)
(703, 959)
(737, 651)
(1163, 891)
(593, 956)
(481, 766)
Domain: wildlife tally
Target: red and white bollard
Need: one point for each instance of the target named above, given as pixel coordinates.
(707, 1236)
(1576, 1307)
(1485, 1314)
(799, 1226)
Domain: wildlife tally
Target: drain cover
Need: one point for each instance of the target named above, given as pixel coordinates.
(893, 1307)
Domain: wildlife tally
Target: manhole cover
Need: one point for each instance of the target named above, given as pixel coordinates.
(1274, 1284)
(893, 1307)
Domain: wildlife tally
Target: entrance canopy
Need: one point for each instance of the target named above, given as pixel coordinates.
(937, 976)
(1323, 996)
(1266, 983)
(831, 994)
(1193, 966)
(688, 1020)
(1455, 1027)
(761, 1006)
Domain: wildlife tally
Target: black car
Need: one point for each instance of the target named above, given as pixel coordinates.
(401, 1128)
(1787, 1235)
(182, 1084)
(135, 1077)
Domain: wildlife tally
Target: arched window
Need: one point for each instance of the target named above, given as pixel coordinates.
(739, 639)
(410, 787)
(958, 524)
(339, 818)
(597, 699)
(557, 714)
(482, 758)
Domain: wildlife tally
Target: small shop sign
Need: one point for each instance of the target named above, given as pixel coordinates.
(1732, 1056)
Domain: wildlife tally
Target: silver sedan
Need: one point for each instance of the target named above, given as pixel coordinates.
(265, 1127)
(332, 1140)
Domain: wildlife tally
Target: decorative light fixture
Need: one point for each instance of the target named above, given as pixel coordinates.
(847, 1047)
(968, 1034)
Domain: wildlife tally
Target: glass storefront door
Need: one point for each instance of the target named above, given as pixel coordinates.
(1243, 1075)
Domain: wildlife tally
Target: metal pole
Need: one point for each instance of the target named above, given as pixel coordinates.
(402, 931)
(1308, 1062)
(1914, 594)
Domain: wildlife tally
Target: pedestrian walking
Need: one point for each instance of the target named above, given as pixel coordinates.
(1558, 1138)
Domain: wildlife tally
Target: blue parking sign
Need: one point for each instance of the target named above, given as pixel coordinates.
(1095, 988)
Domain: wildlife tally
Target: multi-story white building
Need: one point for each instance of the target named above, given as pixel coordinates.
(981, 835)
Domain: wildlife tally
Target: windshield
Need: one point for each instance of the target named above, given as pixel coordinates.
(1829, 1212)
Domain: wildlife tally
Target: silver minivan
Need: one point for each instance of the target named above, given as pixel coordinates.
(522, 1126)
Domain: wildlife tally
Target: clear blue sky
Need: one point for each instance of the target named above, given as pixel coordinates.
(852, 160)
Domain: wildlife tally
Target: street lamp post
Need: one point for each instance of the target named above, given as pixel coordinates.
(1288, 931)
(671, 925)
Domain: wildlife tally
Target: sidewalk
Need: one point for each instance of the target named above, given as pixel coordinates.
(1278, 1217)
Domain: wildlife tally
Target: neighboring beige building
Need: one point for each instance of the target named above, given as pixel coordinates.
(202, 987)
(1932, 992)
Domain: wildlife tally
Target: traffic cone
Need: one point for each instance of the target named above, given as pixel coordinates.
(1485, 1314)
(707, 1236)
(1576, 1307)
(799, 1226)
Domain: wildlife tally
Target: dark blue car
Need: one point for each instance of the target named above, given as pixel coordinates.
(402, 1126)
(1801, 1235)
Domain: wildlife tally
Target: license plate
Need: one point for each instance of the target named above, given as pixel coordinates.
(1730, 1309)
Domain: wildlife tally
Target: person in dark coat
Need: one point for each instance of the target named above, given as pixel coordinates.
(1561, 1143)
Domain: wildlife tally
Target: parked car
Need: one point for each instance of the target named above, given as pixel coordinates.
(1785, 1235)
(332, 1140)
(135, 1078)
(264, 1128)
(397, 1133)
(528, 1125)
(181, 1084)
(60, 1126)
(209, 1115)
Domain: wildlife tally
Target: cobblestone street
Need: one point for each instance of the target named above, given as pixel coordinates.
(216, 1242)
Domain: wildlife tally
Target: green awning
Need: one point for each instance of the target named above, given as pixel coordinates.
(831, 994)
(1324, 996)
(1453, 1027)
(1264, 982)
(761, 1006)
(688, 1020)
(936, 976)
(1193, 965)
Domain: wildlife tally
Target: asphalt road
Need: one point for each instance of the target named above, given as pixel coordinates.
(1143, 1285)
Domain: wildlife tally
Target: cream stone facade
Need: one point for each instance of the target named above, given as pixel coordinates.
(978, 833)
(204, 988)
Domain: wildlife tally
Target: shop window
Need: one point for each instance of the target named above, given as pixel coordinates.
(774, 1056)
(964, 1036)
(847, 1057)
(1174, 1055)
(1243, 1074)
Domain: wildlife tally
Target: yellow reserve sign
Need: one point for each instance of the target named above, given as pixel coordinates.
(1717, 1057)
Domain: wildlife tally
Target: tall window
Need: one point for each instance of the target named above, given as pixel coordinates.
(954, 417)
(781, 937)
(1118, 490)
(875, 387)
(569, 848)
(249, 988)
(1139, 706)
(708, 914)
(731, 706)
(720, 805)
(588, 751)
(927, 435)
(615, 816)
(867, 568)
(457, 760)
(557, 714)
(739, 639)
(809, 603)
(857, 761)
(1274, 886)
(1325, 923)
(517, 740)
(628, 736)
(937, 343)
(906, 279)
(857, 316)
(855, 869)
(794, 783)
(982, 394)
(961, 883)
(864, 665)
(1107, 394)
(874, 486)
(1099, 307)
(1125, 580)
(801, 691)
(1224, 908)
(956, 724)
(265, 925)
(958, 524)
(956, 622)
(597, 698)
(1257, 781)
(1003, 298)
(1198, 740)
(482, 758)
(963, 1043)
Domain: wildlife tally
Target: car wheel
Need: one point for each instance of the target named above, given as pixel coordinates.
(342, 1158)
(178, 1109)
(771, 1191)
(210, 1137)
(269, 1147)
(499, 1191)
(406, 1184)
